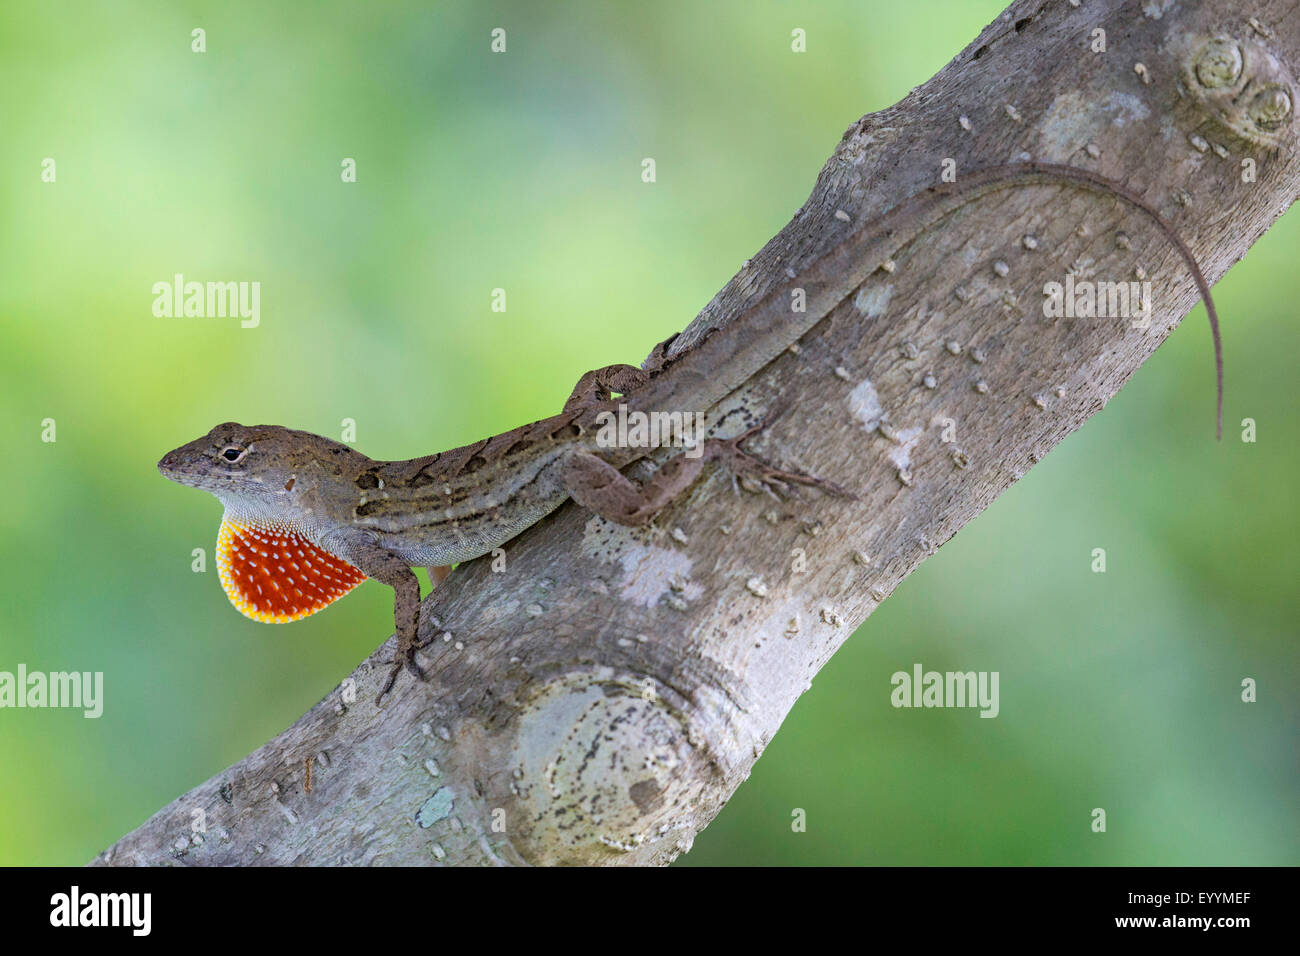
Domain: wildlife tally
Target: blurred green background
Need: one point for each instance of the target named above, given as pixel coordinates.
(523, 171)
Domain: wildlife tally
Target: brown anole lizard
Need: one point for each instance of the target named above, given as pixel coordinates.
(307, 518)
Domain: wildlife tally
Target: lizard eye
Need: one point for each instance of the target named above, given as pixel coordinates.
(233, 453)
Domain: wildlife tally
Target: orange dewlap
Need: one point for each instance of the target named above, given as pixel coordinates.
(273, 574)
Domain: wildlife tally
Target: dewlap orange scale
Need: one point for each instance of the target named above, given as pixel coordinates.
(273, 574)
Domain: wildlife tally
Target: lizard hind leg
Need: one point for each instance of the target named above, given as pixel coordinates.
(600, 487)
(600, 384)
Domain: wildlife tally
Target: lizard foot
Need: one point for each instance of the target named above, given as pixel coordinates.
(405, 659)
(744, 465)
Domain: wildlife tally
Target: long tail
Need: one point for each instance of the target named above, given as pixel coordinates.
(728, 356)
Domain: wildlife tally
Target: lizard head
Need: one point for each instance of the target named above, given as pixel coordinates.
(276, 484)
(258, 469)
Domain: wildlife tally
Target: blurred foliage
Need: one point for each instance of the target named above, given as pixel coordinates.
(523, 171)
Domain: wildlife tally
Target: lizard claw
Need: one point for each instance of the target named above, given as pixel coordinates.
(404, 660)
(772, 480)
(413, 668)
(388, 684)
(766, 484)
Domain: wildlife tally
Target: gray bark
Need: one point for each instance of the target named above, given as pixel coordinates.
(600, 699)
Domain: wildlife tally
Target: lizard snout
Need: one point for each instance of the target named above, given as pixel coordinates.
(176, 464)
(169, 462)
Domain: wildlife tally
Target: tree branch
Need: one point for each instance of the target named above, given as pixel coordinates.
(600, 699)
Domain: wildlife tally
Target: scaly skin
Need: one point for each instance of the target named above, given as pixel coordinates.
(330, 512)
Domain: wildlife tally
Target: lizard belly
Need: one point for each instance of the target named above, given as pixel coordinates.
(478, 518)
(469, 537)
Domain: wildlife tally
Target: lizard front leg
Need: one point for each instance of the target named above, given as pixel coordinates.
(388, 568)
(600, 487)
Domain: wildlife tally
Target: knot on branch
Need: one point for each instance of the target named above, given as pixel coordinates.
(1241, 86)
(605, 765)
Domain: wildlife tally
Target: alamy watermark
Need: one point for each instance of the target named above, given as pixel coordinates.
(923, 688)
(652, 430)
(73, 689)
(211, 300)
(1085, 299)
(75, 908)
